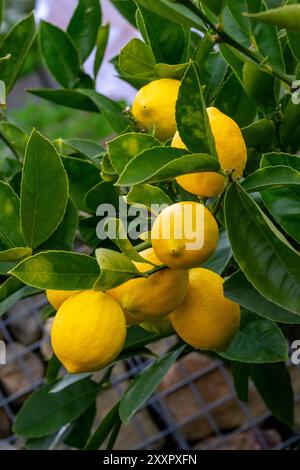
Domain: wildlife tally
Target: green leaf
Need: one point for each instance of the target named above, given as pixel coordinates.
(216, 6)
(14, 137)
(84, 25)
(53, 369)
(240, 372)
(276, 262)
(237, 8)
(88, 233)
(10, 230)
(166, 38)
(80, 432)
(9, 287)
(191, 116)
(260, 86)
(294, 43)
(60, 54)
(290, 129)
(283, 204)
(86, 147)
(259, 134)
(287, 17)
(127, 146)
(171, 71)
(102, 193)
(221, 257)
(233, 101)
(64, 236)
(213, 75)
(137, 338)
(145, 383)
(234, 61)
(115, 269)
(59, 270)
(104, 429)
(101, 45)
(68, 380)
(121, 240)
(70, 98)
(17, 43)
(15, 254)
(49, 442)
(136, 59)
(83, 176)
(164, 163)
(238, 289)
(147, 196)
(258, 341)
(273, 382)
(44, 190)
(44, 412)
(11, 291)
(272, 177)
(174, 12)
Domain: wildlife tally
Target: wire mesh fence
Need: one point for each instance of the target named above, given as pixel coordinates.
(195, 407)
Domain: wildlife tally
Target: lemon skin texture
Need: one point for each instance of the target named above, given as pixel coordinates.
(232, 154)
(57, 297)
(88, 332)
(130, 319)
(154, 107)
(206, 319)
(153, 297)
(176, 253)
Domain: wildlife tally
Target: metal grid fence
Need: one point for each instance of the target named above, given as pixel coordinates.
(164, 430)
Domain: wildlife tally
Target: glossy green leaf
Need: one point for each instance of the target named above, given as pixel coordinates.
(10, 230)
(84, 25)
(145, 383)
(88, 233)
(137, 338)
(70, 98)
(9, 287)
(60, 54)
(259, 134)
(213, 75)
(81, 429)
(64, 236)
(273, 383)
(171, 71)
(163, 163)
(290, 129)
(287, 17)
(260, 86)
(115, 269)
(166, 38)
(191, 116)
(68, 380)
(283, 203)
(83, 176)
(17, 43)
(49, 442)
(104, 429)
(221, 257)
(102, 193)
(257, 341)
(237, 8)
(44, 190)
(15, 254)
(240, 372)
(127, 8)
(53, 369)
(271, 178)
(14, 137)
(148, 196)
(294, 43)
(233, 60)
(136, 59)
(101, 45)
(44, 412)
(47, 270)
(86, 147)
(127, 146)
(238, 289)
(215, 6)
(232, 26)
(11, 291)
(276, 262)
(122, 242)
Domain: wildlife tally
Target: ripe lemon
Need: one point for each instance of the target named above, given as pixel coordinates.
(57, 297)
(130, 319)
(206, 319)
(184, 235)
(231, 151)
(154, 107)
(88, 332)
(155, 296)
(161, 326)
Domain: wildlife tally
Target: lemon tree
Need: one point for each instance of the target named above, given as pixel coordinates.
(215, 125)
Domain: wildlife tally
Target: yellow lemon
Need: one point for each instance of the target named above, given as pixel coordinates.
(161, 326)
(154, 107)
(57, 297)
(231, 151)
(88, 332)
(184, 235)
(206, 319)
(155, 296)
(130, 319)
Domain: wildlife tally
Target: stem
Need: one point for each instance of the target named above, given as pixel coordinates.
(222, 36)
(156, 270)
(143, 246)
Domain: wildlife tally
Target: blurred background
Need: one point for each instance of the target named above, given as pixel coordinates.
(195, 406)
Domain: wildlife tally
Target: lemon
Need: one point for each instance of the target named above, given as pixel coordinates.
(231, 151)
(155, 296)
(130, 319)
(88, 332)
(57, 297)
(184, 235)
(206, 319)
(154, 107)
(161, 326)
